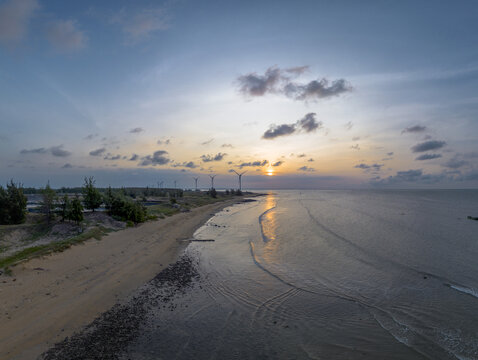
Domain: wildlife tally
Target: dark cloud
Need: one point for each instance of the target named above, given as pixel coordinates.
(317, 89)
(190, 165)
(390, 153)
(307, 124)
(67, 166)
(281, 130)
(257, 85)
(227, 146)
(415, 176)
(134, 157)
(136, 130)
(278, 163)
(306, 169)
(414, 129)
(310, 160)
(157, 158)
(112, 157)
(455, 163)
(90, 136)
(209, 158)
(368, 168)
(428, 157)
(301, 155)
(97, 152)
(34, 151)
(254, 164)
(164, 142)
(428, 145)
(278, 81)
(207, 142)
(59, 151)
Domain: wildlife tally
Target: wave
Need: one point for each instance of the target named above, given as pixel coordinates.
(262, 220)
(464, 289)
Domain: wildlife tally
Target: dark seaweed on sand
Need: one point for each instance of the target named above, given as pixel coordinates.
(108, 336)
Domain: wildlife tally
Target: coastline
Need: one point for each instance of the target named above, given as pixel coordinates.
(51, 298)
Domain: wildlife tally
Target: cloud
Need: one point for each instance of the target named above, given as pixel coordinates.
(34, 151)
(278, 163)
(281, 130)
(187, 164)
(164, 142)
(112, 157)
(65, 36)
(54, 150)
(349, 125)
(207, 142)
(136, 130)
(355, 147)
(390, 153)
(15, 16)
(134, 157)
(279, 81)
(254, 164)
(317, 89)
(227, 146)
(140, 25)
(369, 168)
(157, 158)
(90, 136)
(58, 151)
(301, 155)
(307, 124)
(310, 160)
(414, 176)
(455, 163)
(67, 166)
(209, 158)
(306, 169)
(97, 152)
(428, 157)
(414, 129)
(428, 145)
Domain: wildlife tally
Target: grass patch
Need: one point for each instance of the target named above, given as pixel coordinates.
(40, 250)
(162, 210)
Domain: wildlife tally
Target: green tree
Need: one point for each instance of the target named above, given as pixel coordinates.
(65, 207)
(91, 196)
(108, 198)
(13, 204)
(48, 203)
(76, 210)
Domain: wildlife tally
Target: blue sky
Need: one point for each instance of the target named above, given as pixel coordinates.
(355, 94)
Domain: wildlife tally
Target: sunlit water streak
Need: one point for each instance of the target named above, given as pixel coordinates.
(330, 275)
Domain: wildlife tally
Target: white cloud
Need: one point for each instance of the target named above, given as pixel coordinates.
(65, 36)
(14, 18)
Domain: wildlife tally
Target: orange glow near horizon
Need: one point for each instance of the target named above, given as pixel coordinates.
(270, 172)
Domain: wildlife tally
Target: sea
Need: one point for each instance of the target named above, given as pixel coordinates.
(389, 274)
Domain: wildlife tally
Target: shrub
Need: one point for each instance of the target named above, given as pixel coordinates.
(128, 209)
(91, 196)
(13, 204)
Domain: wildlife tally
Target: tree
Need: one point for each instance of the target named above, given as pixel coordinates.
(91, 196)
(65, 207)
(48, 203)
(76, 210)
(13, 204)
(108, 198)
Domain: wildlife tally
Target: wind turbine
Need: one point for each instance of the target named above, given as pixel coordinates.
(175, 184)
(212, 180)
(240, 178)
(196, 180)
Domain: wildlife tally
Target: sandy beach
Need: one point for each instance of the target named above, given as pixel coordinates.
(50, 298)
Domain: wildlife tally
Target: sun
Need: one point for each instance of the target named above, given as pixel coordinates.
(270, 172)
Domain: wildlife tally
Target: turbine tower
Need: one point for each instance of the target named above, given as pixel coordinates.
(240, 178)
(196, 180)
(212, 180)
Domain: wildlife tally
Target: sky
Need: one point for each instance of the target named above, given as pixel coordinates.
(297, 94)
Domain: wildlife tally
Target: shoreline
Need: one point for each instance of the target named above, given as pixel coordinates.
(53, 297)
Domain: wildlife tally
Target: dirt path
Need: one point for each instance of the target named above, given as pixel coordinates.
(50, 298)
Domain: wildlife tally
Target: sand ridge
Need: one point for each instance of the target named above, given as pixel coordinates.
(52, 297)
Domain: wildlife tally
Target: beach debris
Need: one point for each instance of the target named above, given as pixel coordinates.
(473, 218)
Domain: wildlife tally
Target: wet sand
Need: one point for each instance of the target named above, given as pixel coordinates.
(50, 298)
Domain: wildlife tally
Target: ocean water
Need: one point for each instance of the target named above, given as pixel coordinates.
(329, 275)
